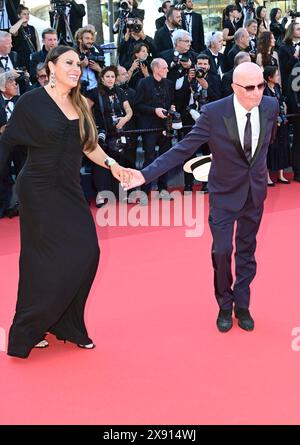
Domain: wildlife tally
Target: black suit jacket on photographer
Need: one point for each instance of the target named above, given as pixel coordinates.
(3, 115)
(126, 50)
(231, 55)
(13, 56)
(168, 56)
(150, 95)
(77, 12)
(163, 39)
(198, 44)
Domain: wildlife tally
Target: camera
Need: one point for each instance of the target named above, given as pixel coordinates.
(173, 119)
(92, 56)
(121, 144)
(84, 86)
(101, 136)
(200, 73)
(133, 25)
(59, 6)
(294, 14)
(125, 6)
(23, 77)
(250, 5)
(177, 57)
(181, 6)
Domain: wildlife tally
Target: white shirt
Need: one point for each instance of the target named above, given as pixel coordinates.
(241, 118)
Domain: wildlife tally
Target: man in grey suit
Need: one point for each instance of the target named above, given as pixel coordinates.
(238, 129)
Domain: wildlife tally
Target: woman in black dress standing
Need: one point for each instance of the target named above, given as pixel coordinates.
(231, 15)
(279, 152)
(59, 248)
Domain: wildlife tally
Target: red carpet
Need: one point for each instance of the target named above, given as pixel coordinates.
(159, 357)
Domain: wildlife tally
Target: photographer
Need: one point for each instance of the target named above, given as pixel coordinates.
(242, 39)
(112, 112)
(192, 22)
(49, 39)
(132, 141)
(41, 76)
(205, 87)
(140, 67)
(288, 53)
(128, 9)
(154, 98)
(163, 36)
(279, 151)
(25, 37)
(246, 9)
(91, 56)
(277, 28)
(159, 23)
(9, 61)
(214, 43)
(8, 15)
(134, 35)
(63, 11)
(8, 99)
(251, 26)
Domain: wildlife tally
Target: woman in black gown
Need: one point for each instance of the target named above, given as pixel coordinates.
(59, 248)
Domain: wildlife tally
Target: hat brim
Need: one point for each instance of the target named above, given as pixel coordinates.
(199, 167)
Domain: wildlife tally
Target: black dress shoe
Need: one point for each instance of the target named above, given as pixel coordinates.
(281, 181)
(245, 321)
(224, 320)
(188, 188)
(271, 184)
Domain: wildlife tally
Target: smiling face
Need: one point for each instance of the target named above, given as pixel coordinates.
(66, 69)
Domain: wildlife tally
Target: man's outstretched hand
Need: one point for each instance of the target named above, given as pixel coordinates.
(133, 179)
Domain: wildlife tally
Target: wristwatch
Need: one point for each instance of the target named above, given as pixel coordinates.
(109, 162)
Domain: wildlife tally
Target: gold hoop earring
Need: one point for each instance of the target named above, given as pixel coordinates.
(52, 80)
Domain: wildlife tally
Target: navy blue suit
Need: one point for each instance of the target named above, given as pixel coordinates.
(237, 190)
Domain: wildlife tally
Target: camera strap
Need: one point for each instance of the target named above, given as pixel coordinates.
(101, 106)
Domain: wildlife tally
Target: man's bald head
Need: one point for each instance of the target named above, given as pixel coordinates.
(159, 68)
(245, 76)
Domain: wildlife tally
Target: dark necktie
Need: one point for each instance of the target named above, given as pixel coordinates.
(248, 139)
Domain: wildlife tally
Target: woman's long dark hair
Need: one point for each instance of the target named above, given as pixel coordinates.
(273, 14)
(263, 45)
(87, 127)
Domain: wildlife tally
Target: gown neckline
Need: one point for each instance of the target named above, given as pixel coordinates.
(52, 100)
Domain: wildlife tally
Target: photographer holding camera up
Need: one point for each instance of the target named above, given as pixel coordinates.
(91, 56)
(66, 17)
(134, 35)
(128, 9)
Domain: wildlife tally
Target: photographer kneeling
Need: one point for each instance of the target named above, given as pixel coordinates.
(91, 56)
(111, 112)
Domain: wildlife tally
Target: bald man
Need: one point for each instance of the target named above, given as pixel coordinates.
(238, 129)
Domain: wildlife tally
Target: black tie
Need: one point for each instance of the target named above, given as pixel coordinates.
(248, 139)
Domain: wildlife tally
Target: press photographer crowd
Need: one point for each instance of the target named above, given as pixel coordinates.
(153, 94)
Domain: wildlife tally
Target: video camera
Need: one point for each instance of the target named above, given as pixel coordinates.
(59, 6)
(134, 25)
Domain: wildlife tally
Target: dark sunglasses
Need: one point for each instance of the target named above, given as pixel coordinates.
(251, 88)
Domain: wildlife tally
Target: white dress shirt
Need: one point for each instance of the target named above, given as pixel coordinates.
(241, 118)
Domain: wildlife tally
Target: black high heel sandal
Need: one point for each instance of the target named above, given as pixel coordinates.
(89, 346)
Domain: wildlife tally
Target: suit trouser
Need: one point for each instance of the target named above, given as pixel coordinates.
(221, 224)
(296, 147)
(150, 141)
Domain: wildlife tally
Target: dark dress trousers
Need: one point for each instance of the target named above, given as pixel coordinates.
(237, 190)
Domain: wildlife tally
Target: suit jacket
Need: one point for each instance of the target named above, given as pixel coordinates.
(77, 12)
(231, 55)
(146, 102)
(159, 23)
(286, 63)
(11, 8)
(212, 62)
(14, 60)
(226, 82)
(3, 116)
(198, 44)
(163, 39)
(35, 59)
(231, 175)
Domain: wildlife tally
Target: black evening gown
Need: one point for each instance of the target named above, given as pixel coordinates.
(59, 247)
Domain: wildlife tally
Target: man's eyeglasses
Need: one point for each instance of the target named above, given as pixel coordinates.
(251, 88)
